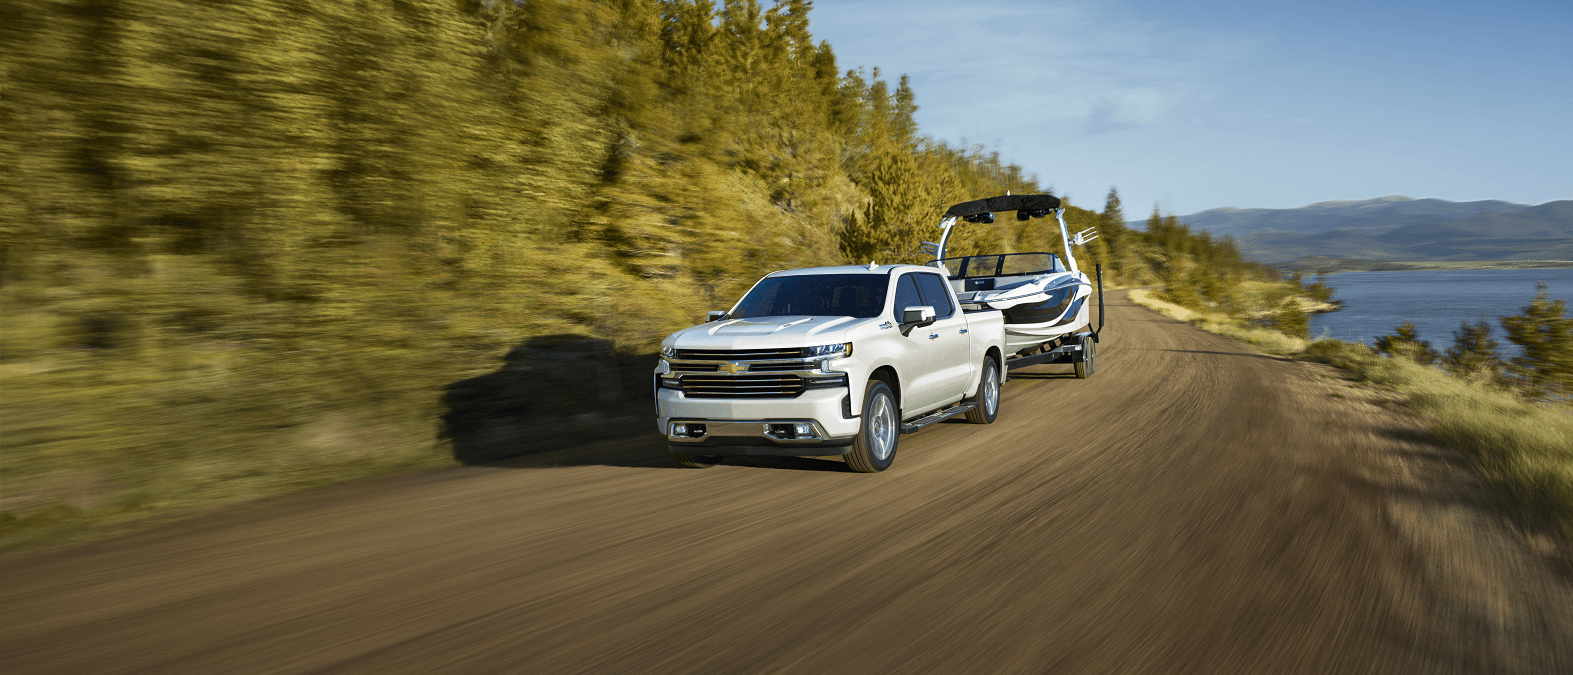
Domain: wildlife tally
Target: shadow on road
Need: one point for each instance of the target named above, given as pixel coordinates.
(569, 400)
(552, 393)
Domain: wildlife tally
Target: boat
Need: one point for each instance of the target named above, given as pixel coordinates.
(1045, 297)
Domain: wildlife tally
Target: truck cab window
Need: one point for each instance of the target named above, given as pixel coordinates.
(935, 294)
(907, 295)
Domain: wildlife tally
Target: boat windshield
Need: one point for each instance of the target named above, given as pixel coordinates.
(860, 296)
(1009, 264)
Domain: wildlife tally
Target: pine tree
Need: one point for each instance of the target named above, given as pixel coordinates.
(1406, 343)
(1473, 351)
(1546, 336)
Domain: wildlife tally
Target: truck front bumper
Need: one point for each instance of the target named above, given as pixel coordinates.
(714, 426)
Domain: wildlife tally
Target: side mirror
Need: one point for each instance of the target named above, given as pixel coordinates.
(714, 315)
(922, 315)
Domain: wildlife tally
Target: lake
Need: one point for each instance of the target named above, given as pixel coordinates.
(1435, 301)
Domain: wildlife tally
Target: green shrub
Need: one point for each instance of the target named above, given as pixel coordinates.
(1546, 337)
(1405, 343)
(1291, 320)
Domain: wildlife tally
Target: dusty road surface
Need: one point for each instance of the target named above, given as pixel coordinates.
(1195, 507)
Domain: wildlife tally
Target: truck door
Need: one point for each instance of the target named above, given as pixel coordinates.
(948, 342)
(919, 372)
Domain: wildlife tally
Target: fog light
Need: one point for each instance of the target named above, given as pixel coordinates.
(804, 431)
(679, 429)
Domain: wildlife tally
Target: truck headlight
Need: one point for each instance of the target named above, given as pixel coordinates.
(841, 350)
(669, 352)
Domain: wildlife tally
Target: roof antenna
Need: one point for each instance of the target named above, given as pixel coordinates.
(872, 265)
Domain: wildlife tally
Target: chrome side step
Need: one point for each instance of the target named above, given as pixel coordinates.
(947, 413)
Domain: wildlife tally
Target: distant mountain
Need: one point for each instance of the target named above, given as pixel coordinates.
(1397, 228)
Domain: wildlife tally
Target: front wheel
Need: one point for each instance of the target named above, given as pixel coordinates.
(987, 400)
(875, 446)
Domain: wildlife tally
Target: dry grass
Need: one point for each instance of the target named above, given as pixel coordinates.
(1270, 341)
(1523, 451)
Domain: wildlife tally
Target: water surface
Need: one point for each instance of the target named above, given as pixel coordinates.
(1435, 301)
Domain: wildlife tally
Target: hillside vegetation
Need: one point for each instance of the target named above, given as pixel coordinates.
(245, 248)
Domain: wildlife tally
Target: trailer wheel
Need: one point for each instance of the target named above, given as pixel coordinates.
(875, 447)
(988, 396)
(696, 461)
(1089, 358)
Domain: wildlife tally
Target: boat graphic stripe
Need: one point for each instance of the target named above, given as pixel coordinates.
(1071, 314)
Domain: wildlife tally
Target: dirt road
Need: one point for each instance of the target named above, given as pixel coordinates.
(1194, 507)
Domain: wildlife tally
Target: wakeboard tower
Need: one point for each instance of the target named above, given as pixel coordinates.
(1045, 298)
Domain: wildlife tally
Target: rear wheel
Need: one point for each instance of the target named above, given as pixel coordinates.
(987, 399)
(1089, 358)
(875, 446)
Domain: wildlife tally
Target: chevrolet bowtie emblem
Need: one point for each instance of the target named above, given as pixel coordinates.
(733, 368)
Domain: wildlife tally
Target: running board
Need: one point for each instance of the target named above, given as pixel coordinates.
(919, 423)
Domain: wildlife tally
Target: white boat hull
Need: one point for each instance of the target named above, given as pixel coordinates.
(1040, 309)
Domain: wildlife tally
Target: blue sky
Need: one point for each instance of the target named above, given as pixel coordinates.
(1198, 105)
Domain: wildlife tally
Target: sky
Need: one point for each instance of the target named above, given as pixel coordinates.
(1189, 106)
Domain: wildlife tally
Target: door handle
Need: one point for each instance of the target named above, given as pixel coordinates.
(963, 330)
(933, 336)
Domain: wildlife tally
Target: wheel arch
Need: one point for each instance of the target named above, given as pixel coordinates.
(887, 374)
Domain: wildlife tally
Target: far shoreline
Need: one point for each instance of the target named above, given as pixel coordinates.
(1312, 264)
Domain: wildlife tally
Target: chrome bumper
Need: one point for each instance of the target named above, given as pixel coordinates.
(753, 437)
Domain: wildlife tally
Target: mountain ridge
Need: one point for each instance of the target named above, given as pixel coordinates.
(1396, 227)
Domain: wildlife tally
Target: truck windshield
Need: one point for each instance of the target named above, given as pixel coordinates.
(856, 295)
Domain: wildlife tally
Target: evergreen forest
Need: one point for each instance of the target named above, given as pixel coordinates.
(245, 247)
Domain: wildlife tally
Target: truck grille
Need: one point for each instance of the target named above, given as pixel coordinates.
(739, 354)
(779, 367)
(742, 386)
(692, 367)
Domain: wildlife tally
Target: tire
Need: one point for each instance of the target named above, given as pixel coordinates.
(1089, 359)
(875, 446)
(988, 396)
(696, 461)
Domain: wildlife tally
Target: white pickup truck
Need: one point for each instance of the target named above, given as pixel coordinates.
(829, 361)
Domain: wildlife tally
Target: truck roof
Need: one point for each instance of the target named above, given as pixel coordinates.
(846, 269)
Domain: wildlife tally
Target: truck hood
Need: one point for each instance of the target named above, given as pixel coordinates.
(768, 331)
